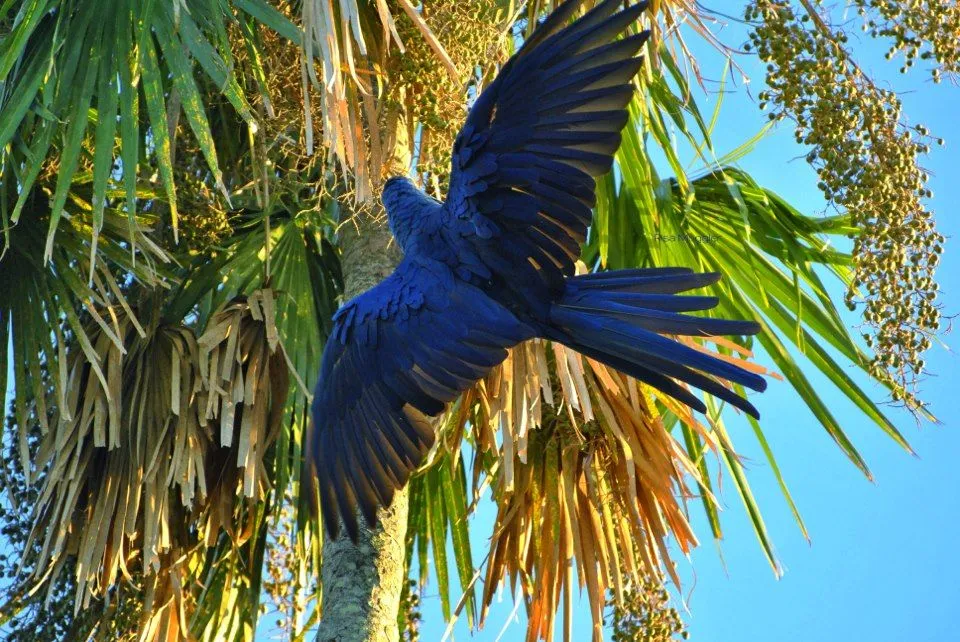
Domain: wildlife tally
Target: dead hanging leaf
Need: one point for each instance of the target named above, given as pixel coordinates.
(245, 385)
(125, 468)
(158, 454)
(348, 48)
(587, 479)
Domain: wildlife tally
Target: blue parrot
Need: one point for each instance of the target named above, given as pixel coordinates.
(494, 265)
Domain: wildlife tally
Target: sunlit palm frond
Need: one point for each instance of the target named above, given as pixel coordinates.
(585, 475)
(60, 80)
(153, 463)
(243, 399)
(773, 259)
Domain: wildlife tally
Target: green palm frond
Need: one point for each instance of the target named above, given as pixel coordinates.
(43, 303)
(63, 86)
(438, 514)
(776, 263)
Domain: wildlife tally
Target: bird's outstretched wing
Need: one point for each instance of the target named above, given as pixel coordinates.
(522, 183)
(398, 354)
(522, 189)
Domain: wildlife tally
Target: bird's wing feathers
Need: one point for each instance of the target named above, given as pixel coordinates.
(398, 354)
(522, 184)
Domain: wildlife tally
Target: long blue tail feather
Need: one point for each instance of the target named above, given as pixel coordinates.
(620, 318)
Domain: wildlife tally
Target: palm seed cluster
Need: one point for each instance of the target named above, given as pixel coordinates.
(271, 81)
(283, 583)
(926, 30)
(646, 615)
(409, 612)
(867, 161)
(469, 32)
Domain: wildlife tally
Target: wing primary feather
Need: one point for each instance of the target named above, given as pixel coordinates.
(556, 43)
(359, 476)
(550, 25)
(328, 500)
(375, 473)
(601, 77)
(394, 465)
(406, 446)
(605, 99)
(421, 424)
(621, 49)
(599, 33)
(345, 501)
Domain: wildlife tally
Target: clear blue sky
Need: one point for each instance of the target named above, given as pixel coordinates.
(884, 564)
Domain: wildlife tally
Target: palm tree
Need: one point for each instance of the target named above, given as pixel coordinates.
(187, 190)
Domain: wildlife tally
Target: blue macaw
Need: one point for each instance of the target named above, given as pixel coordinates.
(494, 265)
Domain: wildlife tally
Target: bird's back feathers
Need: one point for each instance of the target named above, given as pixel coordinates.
(398, 353)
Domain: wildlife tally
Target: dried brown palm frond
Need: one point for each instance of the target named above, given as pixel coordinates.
(126, 466)
(372, 60)
(586, 476)
(149, 467)
(245, 385)
(601, 447)
(332, 33)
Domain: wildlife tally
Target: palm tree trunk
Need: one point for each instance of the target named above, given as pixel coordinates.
(362, 582)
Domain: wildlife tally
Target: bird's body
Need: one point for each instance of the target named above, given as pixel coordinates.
(493, 266)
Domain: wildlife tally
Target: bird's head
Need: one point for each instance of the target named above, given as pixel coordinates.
(405, 204)
(395, 190)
